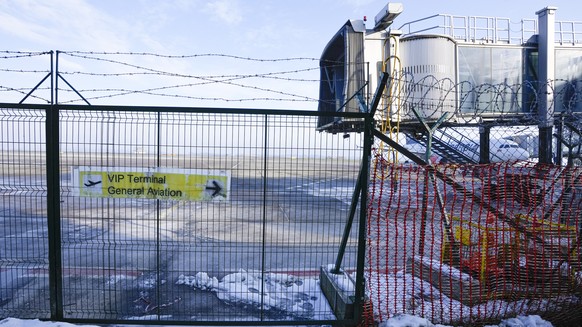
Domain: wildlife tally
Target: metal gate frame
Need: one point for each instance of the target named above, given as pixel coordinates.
(54, 197)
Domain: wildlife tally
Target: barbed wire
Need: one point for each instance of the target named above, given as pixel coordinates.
(21, 89)
(21, 54)
(152, 71)
(83, 53)
(24, 92)
(128, 92)
(121, 92)
(226, 79)
(432, 97)
(8, 70)
(235, 76)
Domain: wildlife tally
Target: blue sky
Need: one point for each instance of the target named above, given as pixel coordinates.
(257, 28)
(248, 28)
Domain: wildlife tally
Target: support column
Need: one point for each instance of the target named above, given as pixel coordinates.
(546, 73)
(484, 144)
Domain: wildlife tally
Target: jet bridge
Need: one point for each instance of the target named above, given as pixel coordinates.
(479, 71)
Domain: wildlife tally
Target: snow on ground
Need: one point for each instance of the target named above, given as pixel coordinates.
(13, 322)
(405, 320)
(301, 297)
(397, 321)
(406, 293)
(297, 297)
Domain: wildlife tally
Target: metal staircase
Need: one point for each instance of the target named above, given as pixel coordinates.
(457, 149)
(573, 126)
(452, 146)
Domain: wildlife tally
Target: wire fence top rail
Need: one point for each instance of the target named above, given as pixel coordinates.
(179, 109)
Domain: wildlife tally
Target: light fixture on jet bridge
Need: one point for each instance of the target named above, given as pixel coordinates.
(387, 15)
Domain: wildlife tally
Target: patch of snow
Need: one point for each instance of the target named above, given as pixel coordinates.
(342, 280)
(149, 281)
(405, 299)
(402, 320)
(295, 296)
(14, 322)
(444, 268)
(149, 317)
(116, 278)
(407, 294)
(525, 321)
(201, 281)
(406, 320)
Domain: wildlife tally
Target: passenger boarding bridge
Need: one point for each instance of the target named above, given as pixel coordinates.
(457, 71)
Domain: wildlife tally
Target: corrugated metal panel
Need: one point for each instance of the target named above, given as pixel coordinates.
(429, 60)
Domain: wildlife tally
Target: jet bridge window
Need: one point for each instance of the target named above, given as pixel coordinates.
(342, 73)
(568, 84)
(490, 76)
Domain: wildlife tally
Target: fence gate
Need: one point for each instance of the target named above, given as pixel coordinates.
(116, 214)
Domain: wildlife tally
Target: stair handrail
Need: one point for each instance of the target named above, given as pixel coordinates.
(463, 143)
(459, 141)
(444, 149)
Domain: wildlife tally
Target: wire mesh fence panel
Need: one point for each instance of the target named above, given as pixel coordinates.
(201, 217)
(24, 255)
(465, 244)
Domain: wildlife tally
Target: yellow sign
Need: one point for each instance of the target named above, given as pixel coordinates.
(151, 183)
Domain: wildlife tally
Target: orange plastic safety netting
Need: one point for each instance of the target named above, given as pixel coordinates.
(467, 244)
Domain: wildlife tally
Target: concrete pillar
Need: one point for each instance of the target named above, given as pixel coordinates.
(546, 73)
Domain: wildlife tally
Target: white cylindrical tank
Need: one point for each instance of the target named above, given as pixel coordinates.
(428, 75)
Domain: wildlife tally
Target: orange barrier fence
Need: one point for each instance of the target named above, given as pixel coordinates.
(461, 244)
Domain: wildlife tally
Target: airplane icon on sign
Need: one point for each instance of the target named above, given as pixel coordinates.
(91, 183)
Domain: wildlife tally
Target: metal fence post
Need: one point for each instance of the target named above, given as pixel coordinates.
(53, 196)
(360, 293)
(54, 212)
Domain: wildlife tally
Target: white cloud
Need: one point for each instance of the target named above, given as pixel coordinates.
(227, 11)
(61, 24)
(20, 28)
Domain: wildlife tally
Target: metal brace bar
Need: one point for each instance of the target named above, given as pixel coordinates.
(36, 87)
(72, 88)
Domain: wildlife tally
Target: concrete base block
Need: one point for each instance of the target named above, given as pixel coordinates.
(334, 289)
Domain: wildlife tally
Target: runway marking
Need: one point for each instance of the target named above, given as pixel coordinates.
(91, 272)
(313, 183)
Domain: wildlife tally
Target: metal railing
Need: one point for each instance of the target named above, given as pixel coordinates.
(483, 29)
(569, 32)
(474, 28)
